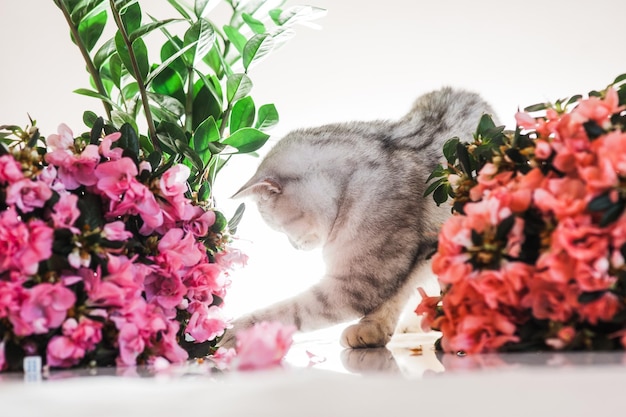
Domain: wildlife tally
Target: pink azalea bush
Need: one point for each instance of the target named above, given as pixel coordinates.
(534, 254)
(104, 258)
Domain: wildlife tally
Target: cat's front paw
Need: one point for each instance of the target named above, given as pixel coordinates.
(365, 334)
(229, 340)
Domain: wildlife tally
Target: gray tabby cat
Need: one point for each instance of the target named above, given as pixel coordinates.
(356, 189)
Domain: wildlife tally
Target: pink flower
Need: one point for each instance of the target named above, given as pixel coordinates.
(105, 147)
(565, 197)
(168, 345)
(603, 309)
(23, 245)
(580, 238)
(75, 170)
(131, 344)
(65, 212)
(62, 352)
(28, 195)
(173, 182)
(264, 345)
(116, 231)
(427, 309)
(198, 220)
(10, 169)
(543, 150)
(206, 323)
(78, 338)
(223, 357)
(46, 306)
(598, 109)
(204, 280)
(525, 120)
(3, 362)
(62, 140)
(116, 177)
(231, 258)
(179, 249)
(166, 290)
(137, 199)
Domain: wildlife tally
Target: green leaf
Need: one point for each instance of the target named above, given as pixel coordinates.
(84, 9)
(235, 37)
(96, 129)
(89, 118)
(202, 7)
(170, 48)
(256, 49)
(220, 223)
(205, 133)
(246, 140)
(204, 105)
(145, 29)
(441, 194)
(296, 14)
(242, 114)
(190, 154)
(90, 29)
(619, 79)
(120, 118)
(536, 107)
(202, 35)
(464, 159)
(180, 9)
(573, 99)
(256, 25)
(432, 186)
(104, 53)
(129, 141)
(169, 104)
(130, 14)
(449, 149)
(170, 61)
(267, 117)
(94, 94)
(141, 55)
(233, 223)
(168, 82)
(204, 193)
(600, 203)
(439, 171)
(613, 213)
(114, 66)
(237, 87)
(485, 125)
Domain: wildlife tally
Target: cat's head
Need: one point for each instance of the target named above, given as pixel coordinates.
(293, 201)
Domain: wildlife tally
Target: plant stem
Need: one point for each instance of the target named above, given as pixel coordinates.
(189, 101)
(95, 75)
(138, 77)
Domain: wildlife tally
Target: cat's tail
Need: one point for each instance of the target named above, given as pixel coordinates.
(442, 114)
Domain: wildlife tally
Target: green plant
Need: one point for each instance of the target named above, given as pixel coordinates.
(195, 97)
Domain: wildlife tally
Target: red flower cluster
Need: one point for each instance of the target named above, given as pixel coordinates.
(534, 255)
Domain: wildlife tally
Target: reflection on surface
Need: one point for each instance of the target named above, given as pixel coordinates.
(410, 356)
(413, 356)
(368, 361)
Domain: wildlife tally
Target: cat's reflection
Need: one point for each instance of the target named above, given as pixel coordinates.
(369, 360)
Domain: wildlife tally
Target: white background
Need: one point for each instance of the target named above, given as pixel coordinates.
(370, 60)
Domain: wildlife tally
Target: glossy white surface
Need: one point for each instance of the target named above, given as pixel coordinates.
(321, 379)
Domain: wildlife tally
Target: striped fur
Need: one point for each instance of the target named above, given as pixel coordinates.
(356, 189)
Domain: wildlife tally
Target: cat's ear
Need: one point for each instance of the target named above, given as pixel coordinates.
(263, 188)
